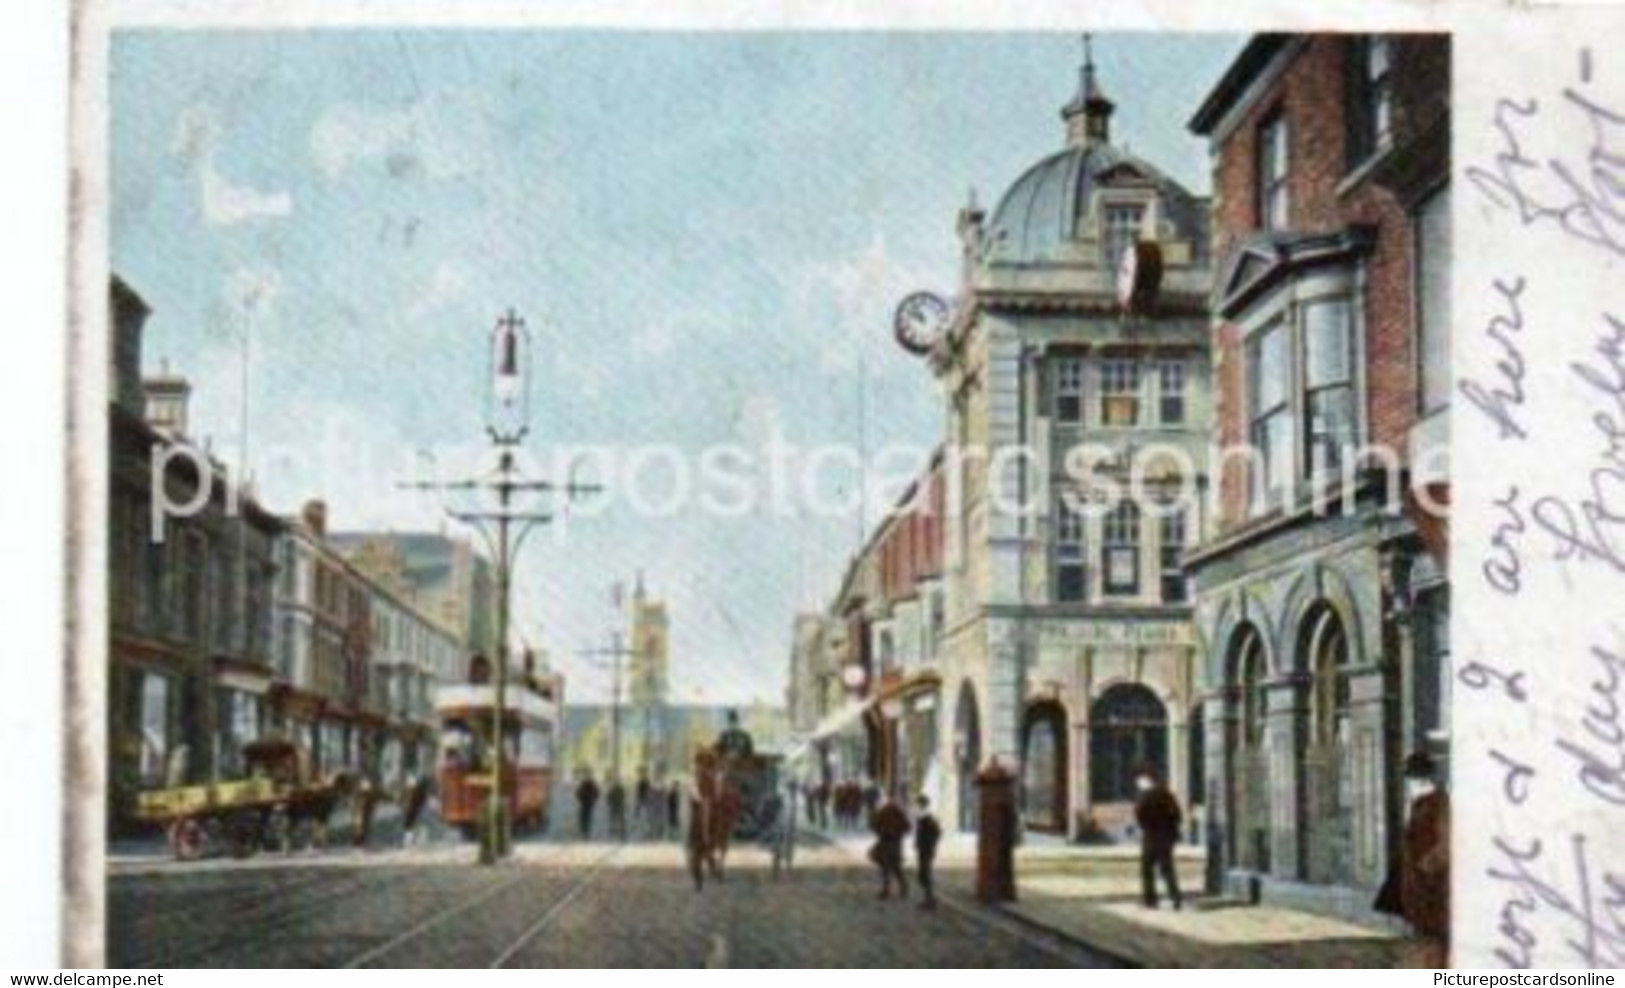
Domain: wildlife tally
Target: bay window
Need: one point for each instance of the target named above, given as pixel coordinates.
(1328, 385)
(1270, 426)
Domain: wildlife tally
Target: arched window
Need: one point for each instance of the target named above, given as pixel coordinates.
(1128, 732)
(1044, 767)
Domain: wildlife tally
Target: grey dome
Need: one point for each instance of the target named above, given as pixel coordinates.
(1037, 220)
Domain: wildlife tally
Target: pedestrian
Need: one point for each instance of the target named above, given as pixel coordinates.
(809, 802)
(586, 800)
(1159, 817)
(616, 800)
(417, 797)
(367, 797)
(1418, 885)
(674, 808)
(890, 825)
(927, 835)
(640, 804)
(823, 803)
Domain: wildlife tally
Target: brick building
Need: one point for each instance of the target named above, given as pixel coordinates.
(1321, 596)
(189, 604)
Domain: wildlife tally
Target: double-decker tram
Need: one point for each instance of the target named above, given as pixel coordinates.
(529, 737)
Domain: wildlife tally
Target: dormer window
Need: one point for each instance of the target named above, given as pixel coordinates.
(1123, 222)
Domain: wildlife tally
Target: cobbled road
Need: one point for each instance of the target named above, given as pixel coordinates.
(551, 905)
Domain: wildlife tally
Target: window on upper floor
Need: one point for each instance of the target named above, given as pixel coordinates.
(1433, 301)
(1328, 385)
(1269, 415)
(1119, 393)
(1371, 101)
(1272, 166)
(1171, 392)
(1068, 384)
(1171, 551)
(1120, 549)
(1123, 223)
(1071, 573)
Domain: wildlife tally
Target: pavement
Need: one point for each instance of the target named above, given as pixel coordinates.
(1090, 896)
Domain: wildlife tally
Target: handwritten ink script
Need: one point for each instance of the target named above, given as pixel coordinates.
(1544, 390)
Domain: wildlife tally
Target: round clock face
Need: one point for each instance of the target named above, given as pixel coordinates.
(921, 320)
(1139, 275)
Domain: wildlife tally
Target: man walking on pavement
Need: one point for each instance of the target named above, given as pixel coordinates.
(927, 835)
(890, 825)
(616, 798)
(1158, 815)
(586, 800)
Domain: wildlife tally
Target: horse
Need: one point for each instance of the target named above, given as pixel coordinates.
(713, 808)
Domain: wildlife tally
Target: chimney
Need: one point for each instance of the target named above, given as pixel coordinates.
(167, 397)
(128, 315)
(314, 515)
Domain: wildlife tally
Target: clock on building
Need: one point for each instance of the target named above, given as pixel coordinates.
(921, 321)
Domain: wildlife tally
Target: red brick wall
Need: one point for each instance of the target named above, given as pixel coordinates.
(1311, 96)
(912, 548)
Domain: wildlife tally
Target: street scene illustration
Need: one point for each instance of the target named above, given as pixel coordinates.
(780, 499)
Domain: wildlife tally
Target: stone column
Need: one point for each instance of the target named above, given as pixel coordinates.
(1285, 698)
(1220, 711)
(1366, 774)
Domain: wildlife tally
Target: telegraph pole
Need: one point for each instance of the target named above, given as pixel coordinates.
(614, 653)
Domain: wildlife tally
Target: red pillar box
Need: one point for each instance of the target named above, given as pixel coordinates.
(996, 834)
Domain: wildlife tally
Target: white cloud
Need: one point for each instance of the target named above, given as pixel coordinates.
(857, 295)
(197, 133)
(225, 204)
(448, 283)
(442, 135)
(653, 340)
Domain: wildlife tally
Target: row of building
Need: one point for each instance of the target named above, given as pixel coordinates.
(230, 623)
(1273, 646)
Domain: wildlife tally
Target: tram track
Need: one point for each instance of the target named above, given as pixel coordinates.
(555, 910)
(268, 917)
(432, 925)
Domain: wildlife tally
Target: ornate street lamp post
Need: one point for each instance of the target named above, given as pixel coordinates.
(504, 530)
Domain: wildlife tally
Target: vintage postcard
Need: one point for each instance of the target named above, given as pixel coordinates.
(695, 486)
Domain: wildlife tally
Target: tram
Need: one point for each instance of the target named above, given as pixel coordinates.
(529, 733)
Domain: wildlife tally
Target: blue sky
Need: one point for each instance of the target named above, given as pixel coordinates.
(706, 231)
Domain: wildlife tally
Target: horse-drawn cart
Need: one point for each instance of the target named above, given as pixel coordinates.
(241, 816)
(734, 796)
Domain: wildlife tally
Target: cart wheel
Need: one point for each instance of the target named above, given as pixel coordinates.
(279, 831)
(187, 839)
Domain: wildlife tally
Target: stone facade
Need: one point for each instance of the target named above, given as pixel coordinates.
(1068, 652)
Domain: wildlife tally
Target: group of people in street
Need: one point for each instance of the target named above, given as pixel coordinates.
(651, 811)
(891, 824)
(848, 803)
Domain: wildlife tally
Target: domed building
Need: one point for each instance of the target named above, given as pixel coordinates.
(1074, 362)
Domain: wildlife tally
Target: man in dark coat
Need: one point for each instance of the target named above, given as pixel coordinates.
(417, 797)
(586, 801)
(1424, 861)
(927, 835)
(615, 799)
(640, 803)
(1159, 818)
(674, 804)
(890, 825)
